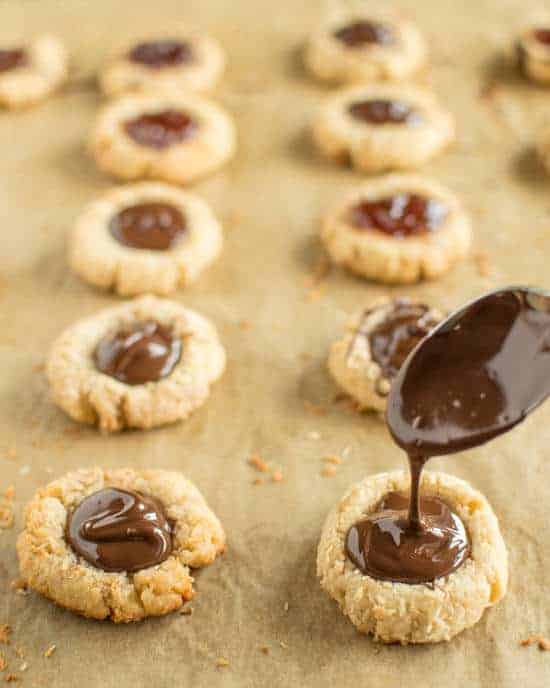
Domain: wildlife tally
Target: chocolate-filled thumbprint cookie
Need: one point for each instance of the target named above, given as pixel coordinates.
(397, 229)
(360, 47)
(366, 359)
(424, 587)
(176, 61)
(382, 127)
(30, 72)
(145, 363)
(176, 138)
(118, 544)
(533, 51)
(143, 238)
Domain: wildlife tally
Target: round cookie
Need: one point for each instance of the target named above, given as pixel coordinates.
(382, 127)
(145, 363)
(365, 46)
(30, 73)
(179, 61)
(397, 229)
(144, 238)
(417, 613)
(176, 137)
(51, 566)
(533, 49)
(376, 343)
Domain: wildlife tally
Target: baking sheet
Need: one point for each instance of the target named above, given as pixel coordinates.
(277, 322)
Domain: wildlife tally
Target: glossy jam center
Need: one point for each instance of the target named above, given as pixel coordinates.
(380, 111)
(145, 353)
(398, 334)
(11, 59)
(360, 33)
(161, 129)
(151, 226)
(120, 530)
(158, 54)
(401, 215)
(384, 547)
(542, 35)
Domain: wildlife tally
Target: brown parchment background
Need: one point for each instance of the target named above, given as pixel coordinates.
(270, 198)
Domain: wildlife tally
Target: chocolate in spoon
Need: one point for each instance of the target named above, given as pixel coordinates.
(474, 377)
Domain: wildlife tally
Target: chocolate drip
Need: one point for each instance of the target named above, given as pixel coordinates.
(161, 129)
(158, 54)
(120, 530)
(151, 226)
(145, 353)
(381, 111)
(476, 376)
(360, 33)
(12, 59)
(401, 215)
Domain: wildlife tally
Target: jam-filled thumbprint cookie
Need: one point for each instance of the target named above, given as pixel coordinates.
(359, 47)
(176, 137)
(178, 61)
(533, 50)
(118, 544)
(381, 127)
(366, 359)
(30, 72)
(142, 364)
(397, 229)
(143, 238)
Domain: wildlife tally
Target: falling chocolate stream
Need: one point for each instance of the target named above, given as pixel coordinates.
(474, 377)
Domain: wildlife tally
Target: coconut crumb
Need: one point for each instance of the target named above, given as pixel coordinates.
(286, 606)
(536, 639)
(24, 666)
(49, 651)
(5, 631)
(283, 644)
(258, 463)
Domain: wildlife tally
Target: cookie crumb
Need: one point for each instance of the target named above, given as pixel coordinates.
(245, 325)
(19, 586)
(258, 463)
(258, 481)
(187, 611)
(222, 662)
(11, 678)
(483, 265)
(11, 453)
(49, 651)
(19, 652)
(336, 460)
(277, 476)
(3, 662)
(328, 471)
(6, 508)
(536, 639)
(316, 409)
(5, 631)
(264, 649)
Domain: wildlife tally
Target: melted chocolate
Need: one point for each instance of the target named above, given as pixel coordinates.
(385, 547)
(476, 376)
(11, 59)
(401, 215)
(398, 334)
(384, 112)
(161, 129)
(145, 353)
(119, 530)
(158, 54)
(362, 33)
(542, 35)
(151, 226)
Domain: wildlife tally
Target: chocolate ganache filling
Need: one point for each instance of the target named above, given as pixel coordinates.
(147, 352)
(12, 59)
(153, 226)
(360, 33)
(381, 111)
(164, 53)
(398, 334)
(161, 129)
(120, 530)
(476, 376)
(401, 215)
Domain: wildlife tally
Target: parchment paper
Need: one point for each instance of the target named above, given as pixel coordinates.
(276, 398)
